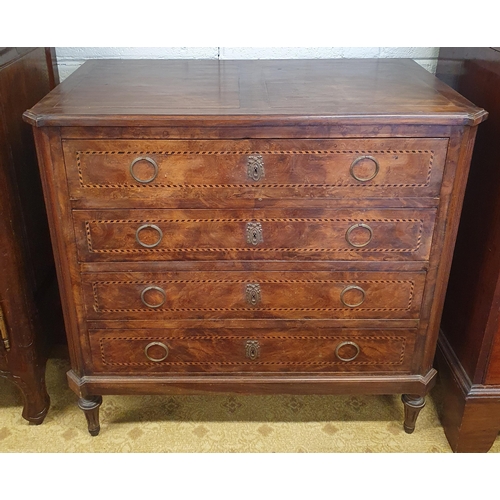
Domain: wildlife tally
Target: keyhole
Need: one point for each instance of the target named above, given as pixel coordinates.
(252, 352)
(254, 237)
(253, 298)
(253, 295)
(255, 167)
(254, 233)
(252, 349)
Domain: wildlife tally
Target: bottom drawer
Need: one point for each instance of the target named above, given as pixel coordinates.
(264, 350)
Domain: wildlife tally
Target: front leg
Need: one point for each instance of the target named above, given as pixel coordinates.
(413, 405)
(90, 406)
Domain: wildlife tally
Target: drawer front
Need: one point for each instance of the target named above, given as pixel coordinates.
(155, 173)
(145, 235)
(253, 295)
(265, 350)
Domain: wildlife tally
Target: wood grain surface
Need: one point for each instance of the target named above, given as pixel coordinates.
(469, 354)
(111, 92)
(29, 300)
(245, 223)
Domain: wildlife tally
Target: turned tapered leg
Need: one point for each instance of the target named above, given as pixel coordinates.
(90, 406)
(413, 405)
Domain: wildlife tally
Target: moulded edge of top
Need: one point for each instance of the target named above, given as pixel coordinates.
(54, 120)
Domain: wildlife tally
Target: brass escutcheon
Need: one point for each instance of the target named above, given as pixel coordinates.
(160, 344)
(254, 233)
(352, 358)
(252, 349)
(158, 289)
(149, 160)
(352, 287)
(145, 226)
(352, 228)
(252, 293)
(356, 161)
(255, 167)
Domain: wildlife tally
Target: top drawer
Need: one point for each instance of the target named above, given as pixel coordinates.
(128, 173)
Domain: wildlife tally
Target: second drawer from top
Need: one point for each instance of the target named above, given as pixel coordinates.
(275, 234)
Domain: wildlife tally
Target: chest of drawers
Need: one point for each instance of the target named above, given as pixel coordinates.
(253, 226)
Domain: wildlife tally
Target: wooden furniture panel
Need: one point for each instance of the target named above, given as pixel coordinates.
(142, 172)
(308, 235)
(469, 354)
(233, 93)
(271, 294)
(225, 193)
(150, 351)
(30, 316)
(493, 374)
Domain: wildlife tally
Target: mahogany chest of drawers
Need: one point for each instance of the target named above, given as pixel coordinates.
(253, 226)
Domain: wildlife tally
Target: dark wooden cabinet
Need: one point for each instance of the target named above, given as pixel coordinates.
(469, 346)
(253, 226)
(29, 303)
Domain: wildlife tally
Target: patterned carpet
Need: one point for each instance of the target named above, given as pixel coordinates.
(219, 424)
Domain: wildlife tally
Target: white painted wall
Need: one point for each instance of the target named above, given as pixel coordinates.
(70, 58)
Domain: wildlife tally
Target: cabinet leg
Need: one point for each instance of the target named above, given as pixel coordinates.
(90, 406)
(413, 405)
(476, 434)
(469, 414)
(36, 401)
(36, 404)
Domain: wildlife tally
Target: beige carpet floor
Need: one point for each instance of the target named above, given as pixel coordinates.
(219, 424)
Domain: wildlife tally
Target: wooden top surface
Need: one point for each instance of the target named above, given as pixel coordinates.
(201, 92)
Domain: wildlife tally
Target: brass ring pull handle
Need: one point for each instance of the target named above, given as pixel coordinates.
(255, 167)
(149, 160)
(159, 344)
(352, 358)
(352, 287)
(150, 226)
(361, 158)
(356, 226)
(158, 289)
